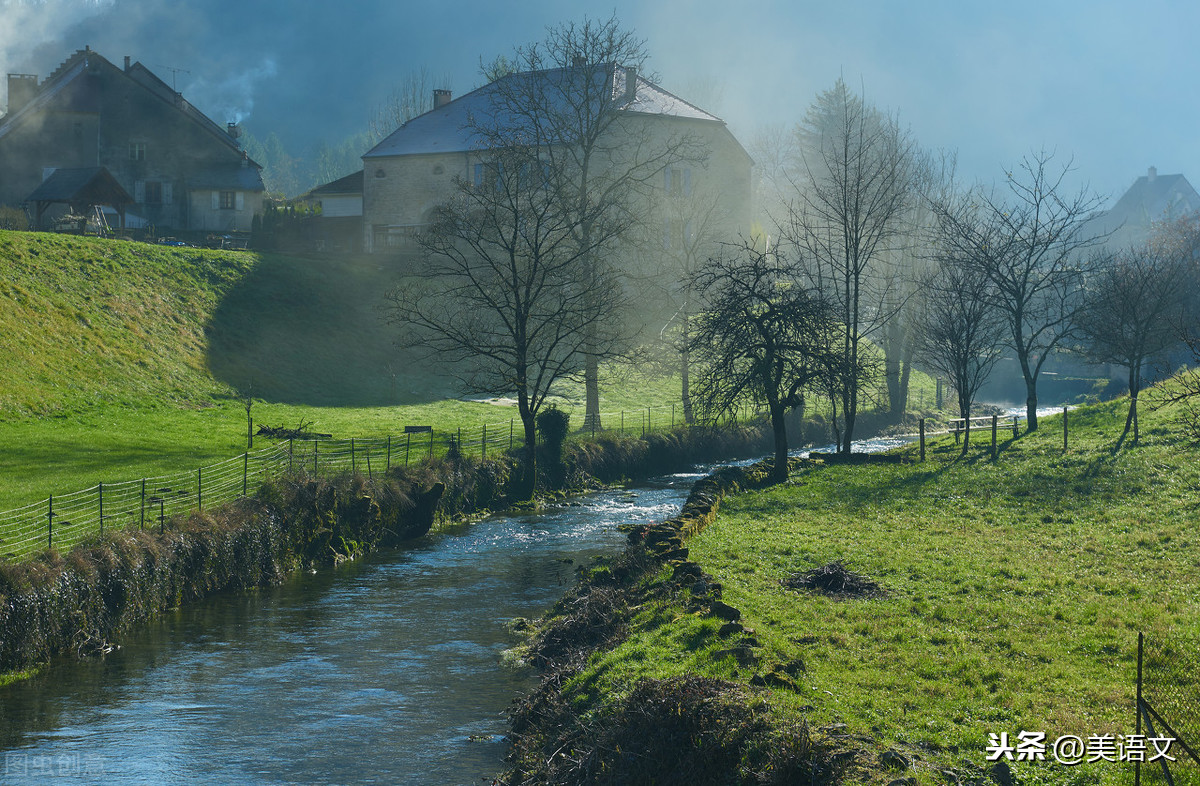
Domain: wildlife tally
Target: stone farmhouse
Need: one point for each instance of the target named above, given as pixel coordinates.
(419, 165)
(65, 141)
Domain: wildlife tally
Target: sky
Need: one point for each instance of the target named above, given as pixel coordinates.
(1101, 85)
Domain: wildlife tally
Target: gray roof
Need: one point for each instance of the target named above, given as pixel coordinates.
(448, 128)
(86, 184)
(1152, 198)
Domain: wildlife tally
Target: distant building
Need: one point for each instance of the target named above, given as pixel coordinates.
(1152, 199)
(338, 227)
(416, 168)
(180, 170)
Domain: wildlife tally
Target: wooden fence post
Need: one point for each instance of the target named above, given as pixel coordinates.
(315, 443)
(622, 421)
(245, 473)
(199, 490)
(407, 446)
(1016, 433)
(995, 427)
(100, 491)
(431, 443)
(291, 447)
(922, 424)
(50, 524)
(142, 519)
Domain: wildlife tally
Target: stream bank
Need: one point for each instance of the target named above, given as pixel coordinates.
(83, 602)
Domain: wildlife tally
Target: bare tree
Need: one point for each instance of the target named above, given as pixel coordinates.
(906, 266)
(502, 290)
(684, 234)
(957, 330)
(1133, 302)
(761, 335)
(566, 96)
(412, 96)
(849, 211)
(1032, 244)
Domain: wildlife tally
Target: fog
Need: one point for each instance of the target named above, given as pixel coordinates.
(1100, 82)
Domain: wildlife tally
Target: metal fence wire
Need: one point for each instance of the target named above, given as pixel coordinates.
(1168, 696)
(64, 520)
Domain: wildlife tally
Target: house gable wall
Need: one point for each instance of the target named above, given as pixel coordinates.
(155, 150)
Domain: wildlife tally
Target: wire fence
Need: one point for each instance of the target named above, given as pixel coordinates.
(1168, 705)
(63, 520)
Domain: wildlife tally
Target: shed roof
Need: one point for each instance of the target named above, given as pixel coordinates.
(91, 185)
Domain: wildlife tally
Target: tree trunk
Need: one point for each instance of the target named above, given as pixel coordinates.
(689, 416)
(779, 472)
(964, 412)
(1131, 417)
(529, 468)
(591, 386)
(1030, 393)
(894, 368)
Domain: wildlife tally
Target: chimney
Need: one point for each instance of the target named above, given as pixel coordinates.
(126, 63)
(21, 90)
(1151, 173)
(441, 98)
(630, 83)
(578, 61)
(233, 130)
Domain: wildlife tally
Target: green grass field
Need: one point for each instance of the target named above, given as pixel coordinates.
(125, 360)
(1014, 594)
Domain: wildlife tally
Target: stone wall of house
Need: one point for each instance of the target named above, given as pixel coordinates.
(400, 193)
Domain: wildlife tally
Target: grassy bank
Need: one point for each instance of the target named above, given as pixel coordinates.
(1011, 596)
(81, 601)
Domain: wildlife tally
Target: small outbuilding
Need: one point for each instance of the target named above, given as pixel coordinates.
(82, 190)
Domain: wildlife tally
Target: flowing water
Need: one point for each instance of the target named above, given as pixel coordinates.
(387, 670)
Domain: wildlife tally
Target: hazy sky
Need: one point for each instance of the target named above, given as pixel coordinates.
(1104, 82)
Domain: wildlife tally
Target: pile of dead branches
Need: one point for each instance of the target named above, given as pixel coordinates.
(835, 580)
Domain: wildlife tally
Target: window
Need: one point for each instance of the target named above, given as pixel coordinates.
(137, 151)
(227, 200)
(677, 181)
(154, 193)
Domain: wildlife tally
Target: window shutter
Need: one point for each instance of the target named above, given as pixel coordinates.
(168, 195)
(240, 201)
(216, 200)
(139, 192)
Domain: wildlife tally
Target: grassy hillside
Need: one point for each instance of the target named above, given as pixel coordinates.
(125, 360)
(90, 322)
(1012, 597)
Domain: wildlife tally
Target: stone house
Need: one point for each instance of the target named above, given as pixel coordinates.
(418, 166)
(183, 171)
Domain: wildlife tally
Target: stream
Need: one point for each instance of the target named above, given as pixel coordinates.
(385, 670)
